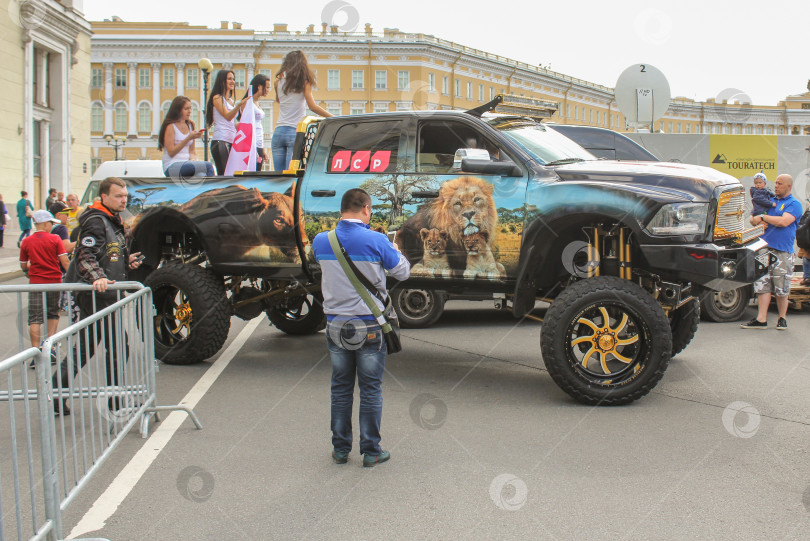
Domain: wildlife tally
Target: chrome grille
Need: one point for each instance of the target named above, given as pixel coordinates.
(730, 221)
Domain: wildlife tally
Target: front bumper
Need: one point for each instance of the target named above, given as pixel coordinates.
(714, 267)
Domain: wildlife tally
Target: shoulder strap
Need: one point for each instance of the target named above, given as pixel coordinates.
(354, 277)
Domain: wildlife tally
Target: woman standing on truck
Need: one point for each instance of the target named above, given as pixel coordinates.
(261, 88)
(220, 111)
(179, 155)
(293, 86)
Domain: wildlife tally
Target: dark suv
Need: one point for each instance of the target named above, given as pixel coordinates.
(604, 143)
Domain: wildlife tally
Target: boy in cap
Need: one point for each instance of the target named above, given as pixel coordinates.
(43, 258)
(761, 195)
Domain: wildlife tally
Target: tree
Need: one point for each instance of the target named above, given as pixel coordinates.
(395, 188)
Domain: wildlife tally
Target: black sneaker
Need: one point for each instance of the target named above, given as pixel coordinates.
(340, 457)
(755, 324)
(781, 325)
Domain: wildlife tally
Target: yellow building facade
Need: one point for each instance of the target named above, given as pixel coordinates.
(45, 132)
(138, 68)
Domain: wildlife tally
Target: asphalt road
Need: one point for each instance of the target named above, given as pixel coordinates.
(483, 444)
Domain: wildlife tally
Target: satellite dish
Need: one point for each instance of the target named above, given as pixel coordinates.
(642, 94)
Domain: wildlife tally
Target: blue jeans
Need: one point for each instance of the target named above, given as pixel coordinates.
(25, 233)
(806, 268)
(282, 142)
(356, 348)
(190, 169)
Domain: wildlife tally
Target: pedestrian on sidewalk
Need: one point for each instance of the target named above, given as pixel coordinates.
(353, 335)
(51, 198)
(43, 258)
(73, 212)
(24, 211)
(3, 219)
(781, 221)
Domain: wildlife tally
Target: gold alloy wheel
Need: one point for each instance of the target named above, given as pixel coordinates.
(606, 341)
(174, 323)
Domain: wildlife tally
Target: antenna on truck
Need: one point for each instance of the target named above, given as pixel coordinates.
(516, 105)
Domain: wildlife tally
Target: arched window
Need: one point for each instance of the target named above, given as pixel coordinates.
(144, 117)
(120, 117)
(96, 117)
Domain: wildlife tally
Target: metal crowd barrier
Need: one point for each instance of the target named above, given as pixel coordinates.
(100, 369)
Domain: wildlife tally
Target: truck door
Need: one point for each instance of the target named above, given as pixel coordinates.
(459, 225)
(362, 154)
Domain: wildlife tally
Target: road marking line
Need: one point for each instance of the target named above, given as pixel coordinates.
(107, 504)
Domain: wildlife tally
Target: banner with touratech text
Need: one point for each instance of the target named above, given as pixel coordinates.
(744, 155)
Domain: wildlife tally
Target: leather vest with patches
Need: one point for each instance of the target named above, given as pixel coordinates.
(112, 257)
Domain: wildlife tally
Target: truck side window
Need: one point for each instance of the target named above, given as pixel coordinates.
(439, 140)
(365, 147)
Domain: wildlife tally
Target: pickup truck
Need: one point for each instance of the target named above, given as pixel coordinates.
(481, 203)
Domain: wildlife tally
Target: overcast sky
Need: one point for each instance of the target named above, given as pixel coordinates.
(706, 48)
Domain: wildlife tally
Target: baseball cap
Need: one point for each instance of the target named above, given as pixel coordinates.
(761, 175)
(57, 207)
(42, 216)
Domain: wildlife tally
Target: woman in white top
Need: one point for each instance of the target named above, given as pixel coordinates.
(293, 86)
(261, 88)
(220, 111)
(176, 139)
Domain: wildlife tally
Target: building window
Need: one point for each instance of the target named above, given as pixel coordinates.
(96, 117)
(590, 116)
(480, 92)
(144, 78)
(404, 106)
(145, 117)
(380, 107)
(37, 148)
(670, 128)
(239, 78)
(469, 90)
(97, 78)
(491, 93)
(357, 110)
(380, 82)
(120, 78)
(576, 112)
(404, 80)
(120, 117)
(195, 115)
(333, 80)
(94, 163)
(431, 82)
(357, 78)
(334, 109)
(168, 78)
(688, 128)
(192, 78)
(164, 110)
(458, 88)
(266, 73)
(445, 86)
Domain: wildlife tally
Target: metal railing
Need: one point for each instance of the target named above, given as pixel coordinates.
(103, 386)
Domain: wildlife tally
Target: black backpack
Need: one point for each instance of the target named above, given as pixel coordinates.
(803, 231)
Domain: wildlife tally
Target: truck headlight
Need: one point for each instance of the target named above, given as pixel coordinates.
(679, 219)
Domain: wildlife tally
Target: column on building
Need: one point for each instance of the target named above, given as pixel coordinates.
(44, 160)
(251, 68)
(108, 96)
(42, 89)
(180, 77)
(155, 98)
(132, 105)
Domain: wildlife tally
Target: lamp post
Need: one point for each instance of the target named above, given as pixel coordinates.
(206, 67)
(115, 142)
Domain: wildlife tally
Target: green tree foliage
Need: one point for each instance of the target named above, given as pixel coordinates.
(395, 189)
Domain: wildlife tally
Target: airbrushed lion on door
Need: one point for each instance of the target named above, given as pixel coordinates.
(464, 208)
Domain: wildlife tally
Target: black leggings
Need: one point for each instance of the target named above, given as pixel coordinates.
(259, 154)
(219, 152)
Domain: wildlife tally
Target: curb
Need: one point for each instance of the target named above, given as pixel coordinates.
(11, 275)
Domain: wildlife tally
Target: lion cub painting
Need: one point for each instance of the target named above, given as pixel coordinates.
(434, 262)
(480, 261)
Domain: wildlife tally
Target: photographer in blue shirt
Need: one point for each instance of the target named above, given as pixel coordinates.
(780, 234)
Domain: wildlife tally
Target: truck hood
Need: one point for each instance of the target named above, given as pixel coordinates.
(693, 182)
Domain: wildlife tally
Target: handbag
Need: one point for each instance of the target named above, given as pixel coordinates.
(28, 212)
(388, 320)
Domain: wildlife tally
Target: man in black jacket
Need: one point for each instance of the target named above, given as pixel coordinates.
(101, 257)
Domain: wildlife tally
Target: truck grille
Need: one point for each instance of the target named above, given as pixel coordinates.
(730, 220)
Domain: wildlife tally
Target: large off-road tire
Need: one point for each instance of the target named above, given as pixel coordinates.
(606, 341)
(193, 315)
(300, 315)
(725, 306)
(417, 308)
(684, 324)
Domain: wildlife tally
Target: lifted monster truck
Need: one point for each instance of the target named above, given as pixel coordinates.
(481, 203)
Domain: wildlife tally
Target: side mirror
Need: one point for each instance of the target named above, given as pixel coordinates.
(487, 167)
(476, 153)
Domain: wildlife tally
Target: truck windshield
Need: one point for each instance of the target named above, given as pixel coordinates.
(544, 144)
